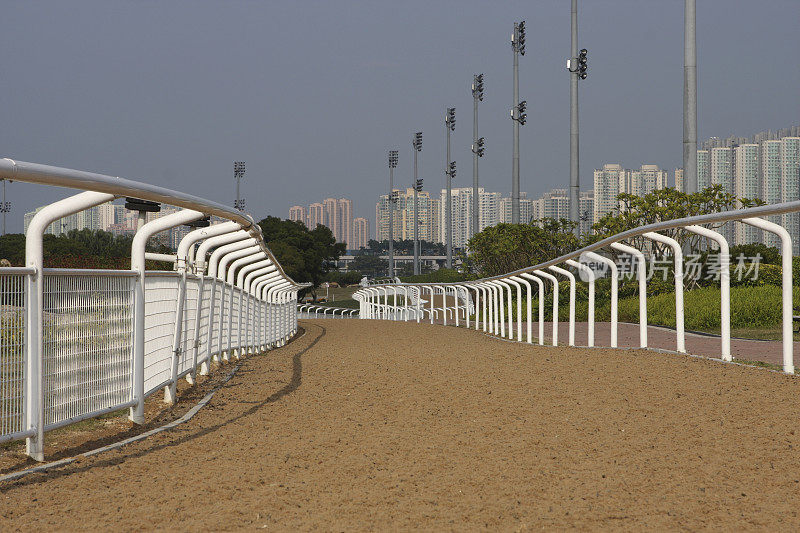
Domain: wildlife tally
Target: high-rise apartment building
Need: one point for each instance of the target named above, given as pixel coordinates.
(461, 198)
(607, 188)
(525, 209)
(344, 227)
(429, 213)
(316, 215)
(298, 213)
(746, 184)
(586, 211)
(360, 233)
(613, 180)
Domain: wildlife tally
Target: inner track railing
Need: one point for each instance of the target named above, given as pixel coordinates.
(488, 303)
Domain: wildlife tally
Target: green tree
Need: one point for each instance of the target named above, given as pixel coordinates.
(508, 247)
(305, 255)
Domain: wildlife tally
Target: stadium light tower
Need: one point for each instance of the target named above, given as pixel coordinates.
(238, 173)
(689, 96)
(392, 202)
(450, 171)
(416, 143)
(518, 46)
(577, 66)
(477, 149)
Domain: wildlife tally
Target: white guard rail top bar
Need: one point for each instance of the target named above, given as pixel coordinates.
(79, 343)
(374, 299)
(24, 171)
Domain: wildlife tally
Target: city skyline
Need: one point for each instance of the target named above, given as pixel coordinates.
(242, 104)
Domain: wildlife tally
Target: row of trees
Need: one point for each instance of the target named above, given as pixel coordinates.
(79, 249)
(508, 247)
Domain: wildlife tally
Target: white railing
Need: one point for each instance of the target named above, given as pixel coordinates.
(489, 301)
(323, 311)
(78, 343)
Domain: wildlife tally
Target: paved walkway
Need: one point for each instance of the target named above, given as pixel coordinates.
(368, 425)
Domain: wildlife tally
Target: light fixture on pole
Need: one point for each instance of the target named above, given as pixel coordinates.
(518, 46)
(477, 150)
(416, 143)
(238, 173)
(392, 202)
(450, 171)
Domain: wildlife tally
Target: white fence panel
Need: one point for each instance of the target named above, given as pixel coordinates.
(87, 338)
(12, 354)
(160, 307)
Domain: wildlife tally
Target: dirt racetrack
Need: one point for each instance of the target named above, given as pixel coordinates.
(392, 426)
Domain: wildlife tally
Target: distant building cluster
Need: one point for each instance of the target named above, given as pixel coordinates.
(336, 214)
(765, 166)
(493, 209)
(113, 218)
(613, 180)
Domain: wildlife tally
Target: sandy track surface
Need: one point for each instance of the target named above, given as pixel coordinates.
(354, 426)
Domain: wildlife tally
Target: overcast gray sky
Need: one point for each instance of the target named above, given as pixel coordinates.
(312, 94)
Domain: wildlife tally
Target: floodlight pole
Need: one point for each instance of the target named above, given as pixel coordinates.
(574, 163)
(518, 48)
(476, 203)
(449, 124)
(392, 165)
(689, 97)
(417, 145)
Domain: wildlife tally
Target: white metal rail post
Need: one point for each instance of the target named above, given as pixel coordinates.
(786, 286)
(571, 277)
(138, 245)
(553, 279)
(677, 254)
(590, 275)
(612, 267)
(540, 299)
(724, 286)
(529, 326)
(34, 259)
(641, 277)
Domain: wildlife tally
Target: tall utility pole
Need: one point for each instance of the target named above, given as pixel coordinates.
(477, 150)
(576, 65)
(574, 163)
(392, 201)
(518, 46)
(689, 97)
(450, 171)
(238, 173)
(416, 143)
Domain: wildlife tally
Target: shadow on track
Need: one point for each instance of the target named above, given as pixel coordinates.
(289, 388)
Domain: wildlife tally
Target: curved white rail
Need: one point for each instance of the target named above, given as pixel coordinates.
(494, 294)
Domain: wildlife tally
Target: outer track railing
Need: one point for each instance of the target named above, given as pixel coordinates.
(79, 343)
(490, 300)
